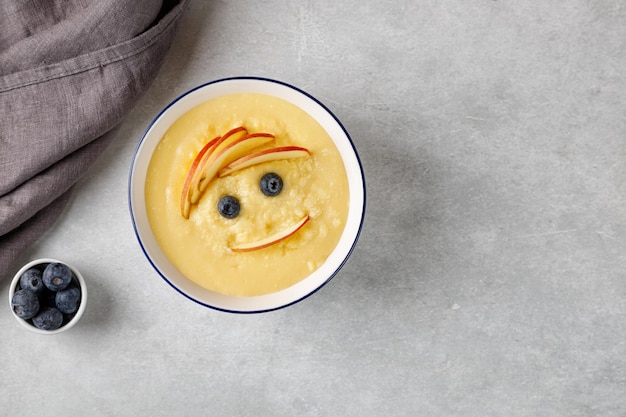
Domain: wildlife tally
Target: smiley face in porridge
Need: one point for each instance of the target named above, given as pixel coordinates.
(246, 194)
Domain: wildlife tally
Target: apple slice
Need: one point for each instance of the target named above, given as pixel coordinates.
(272, 154)
(223, 155)
(230, 137)
(185, 205)
(272, 239)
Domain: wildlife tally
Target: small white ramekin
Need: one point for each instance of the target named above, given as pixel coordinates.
(77, 315)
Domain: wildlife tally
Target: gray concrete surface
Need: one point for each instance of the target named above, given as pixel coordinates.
(490, 277)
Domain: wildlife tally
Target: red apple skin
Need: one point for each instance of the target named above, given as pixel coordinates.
(197, 178)
(281, 152)
(184, 198)
(304, 221)
(204, 180)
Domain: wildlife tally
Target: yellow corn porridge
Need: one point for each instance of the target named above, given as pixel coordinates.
(200, 246)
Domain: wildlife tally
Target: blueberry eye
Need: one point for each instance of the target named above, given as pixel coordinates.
(228, 206)
(271, 184)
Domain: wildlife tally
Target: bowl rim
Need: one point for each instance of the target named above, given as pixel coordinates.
(83, 295)
(327, 111)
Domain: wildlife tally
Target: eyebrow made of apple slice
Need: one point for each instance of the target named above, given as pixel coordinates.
(265, 155)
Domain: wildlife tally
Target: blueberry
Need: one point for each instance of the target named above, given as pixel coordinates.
(228, 206)
(31, 280)
(48, 319)
(67, 300)
(25, 304)
(57, 276)
(271, 184)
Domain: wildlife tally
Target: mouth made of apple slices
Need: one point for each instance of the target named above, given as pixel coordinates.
(272, 239)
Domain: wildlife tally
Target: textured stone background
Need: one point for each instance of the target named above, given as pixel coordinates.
(490, 277)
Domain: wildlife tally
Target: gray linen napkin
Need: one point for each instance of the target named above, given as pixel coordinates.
(69, 72)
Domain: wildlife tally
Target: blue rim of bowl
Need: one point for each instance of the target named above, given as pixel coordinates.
(132, 216)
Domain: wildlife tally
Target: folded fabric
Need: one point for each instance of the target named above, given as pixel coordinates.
(69, 72)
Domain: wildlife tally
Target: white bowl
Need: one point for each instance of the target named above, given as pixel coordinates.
(81, 307)
(162, 264)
